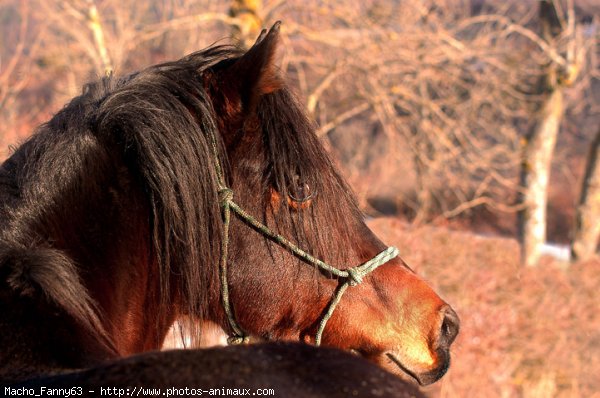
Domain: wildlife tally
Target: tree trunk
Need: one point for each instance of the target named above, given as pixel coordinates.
(587, 221)
(538, 149)
(248, 13)
(424, 152)
(97, 29)
(535, 174)
(424, 210)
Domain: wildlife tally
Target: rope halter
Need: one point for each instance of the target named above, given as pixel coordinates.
(349, 277)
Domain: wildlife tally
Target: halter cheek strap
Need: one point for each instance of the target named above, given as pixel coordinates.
(348, 277)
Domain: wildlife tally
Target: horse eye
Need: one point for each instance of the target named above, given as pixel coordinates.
(300, 194)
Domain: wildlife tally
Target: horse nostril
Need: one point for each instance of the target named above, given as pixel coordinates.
(450, 327)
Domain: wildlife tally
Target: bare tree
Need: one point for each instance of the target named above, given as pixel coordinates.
(441, 84)
(587, 222)
(538, 145)
(19, 48)
(249, 16)
(95, 25)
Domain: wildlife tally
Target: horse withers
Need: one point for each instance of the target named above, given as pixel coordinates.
(198, 190)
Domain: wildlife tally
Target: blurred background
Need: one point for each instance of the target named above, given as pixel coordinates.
(469, 129)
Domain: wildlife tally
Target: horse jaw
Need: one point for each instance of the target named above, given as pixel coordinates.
(397, 321)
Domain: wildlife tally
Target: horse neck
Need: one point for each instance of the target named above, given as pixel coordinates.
(96, 219)
(38, 338)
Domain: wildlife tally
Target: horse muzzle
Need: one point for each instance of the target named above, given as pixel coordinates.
(426, 365)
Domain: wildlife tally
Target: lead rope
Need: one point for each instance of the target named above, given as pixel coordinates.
(351, 276)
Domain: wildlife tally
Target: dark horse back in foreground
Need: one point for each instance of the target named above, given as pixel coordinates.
(114, 223)
(274, 369)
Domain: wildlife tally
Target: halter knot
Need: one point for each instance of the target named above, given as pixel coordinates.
(355, 277)
(225, 196)
(237, 340)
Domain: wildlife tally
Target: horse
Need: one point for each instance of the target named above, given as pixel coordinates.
(276, 369)
(197, 190)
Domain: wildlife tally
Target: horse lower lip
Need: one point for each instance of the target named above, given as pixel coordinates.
(397, 362)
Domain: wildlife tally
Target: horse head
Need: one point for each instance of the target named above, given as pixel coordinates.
(279, 174)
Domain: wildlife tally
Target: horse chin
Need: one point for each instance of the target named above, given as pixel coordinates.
(391, 362)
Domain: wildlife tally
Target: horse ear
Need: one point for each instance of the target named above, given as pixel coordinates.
(255, 73)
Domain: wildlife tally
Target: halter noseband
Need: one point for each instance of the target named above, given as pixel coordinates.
(350, 276)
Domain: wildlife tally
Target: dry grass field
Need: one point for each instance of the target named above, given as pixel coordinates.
(524, 332)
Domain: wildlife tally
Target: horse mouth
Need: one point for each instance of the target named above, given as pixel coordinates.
(396, 365)
(391, 362)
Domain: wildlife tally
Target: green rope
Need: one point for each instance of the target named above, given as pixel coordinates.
(238, 336)
(350, 276)
(355, 277)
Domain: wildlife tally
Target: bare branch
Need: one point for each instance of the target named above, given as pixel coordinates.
(342, 117)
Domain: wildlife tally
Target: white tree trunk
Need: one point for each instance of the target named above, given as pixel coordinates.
(535, 175)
